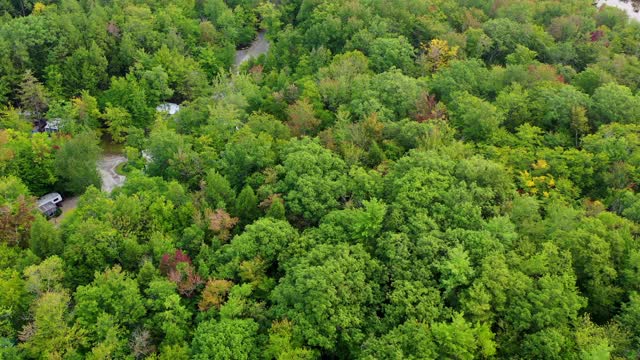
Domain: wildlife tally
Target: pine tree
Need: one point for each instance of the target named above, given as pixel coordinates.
(32, 96)
(247, 205)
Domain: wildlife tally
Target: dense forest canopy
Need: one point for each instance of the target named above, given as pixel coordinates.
(398, 179)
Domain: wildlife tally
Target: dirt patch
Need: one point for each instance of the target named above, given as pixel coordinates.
(107, 167)
(67, 205)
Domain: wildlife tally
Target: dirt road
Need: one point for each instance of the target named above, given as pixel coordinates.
(258, 47)
(110, 180)
(107, 168)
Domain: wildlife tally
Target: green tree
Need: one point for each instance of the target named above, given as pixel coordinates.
(386, 53)
(85, 112)
(475, 118)
(246, 206)
(44, 238)
(155, 82)
(76, 163)
(411, 340)
(461, 75)
(630, 316)
(337, 80)
(225, 340)
(29, 158)
(282, 345)
(11, 118)
(128, 93)
(395, 93)
(16, 212)
(163, 143)
(463, 340)
(168, 318)
(312, 179)
(85, 69)
(615, 103)
(246, 153)
(551, 105)
(513, 101)
(218, 191)
(45, 277)
(112, 299)
(49, 332)
(33, 96)
(118, 121)
(328, 294)
(91, 246)
(273, 241)
(14, 303)
(276, 210)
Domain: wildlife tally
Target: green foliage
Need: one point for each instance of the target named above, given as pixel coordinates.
(45, 239)
(129, 94)
(226, 339)
(171, 319)
(615, 103)
(50, 332)
(386, 53)
(45, 277)
(411, 340)
(33, 97)
(16, 211)
(245, 154)
(551, 105)
(111, 300)
(11, 118)
(396, 179)
(118, 121)
(327, 295)
(476, 119)
(76, 163)
(31, 159)
(92, 247)
(276, 210)
(14, 302)
(246, 206)
(470, 75)
(85, 69)
(273, 241)
(218, 191)
(312, 180)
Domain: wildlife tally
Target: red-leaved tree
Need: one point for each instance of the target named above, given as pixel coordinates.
(179, 270)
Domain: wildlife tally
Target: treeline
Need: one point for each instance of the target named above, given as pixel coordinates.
(400, 179)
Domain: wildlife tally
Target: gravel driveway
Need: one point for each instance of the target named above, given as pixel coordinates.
(107, 167)
(258, 47)
(110, 180)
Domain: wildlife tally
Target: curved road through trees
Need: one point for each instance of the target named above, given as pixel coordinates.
(258, 47)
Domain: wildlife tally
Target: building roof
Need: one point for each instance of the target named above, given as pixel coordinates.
(52, 125)
(169, 108)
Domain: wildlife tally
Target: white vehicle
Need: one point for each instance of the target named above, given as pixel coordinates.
(48, 204)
